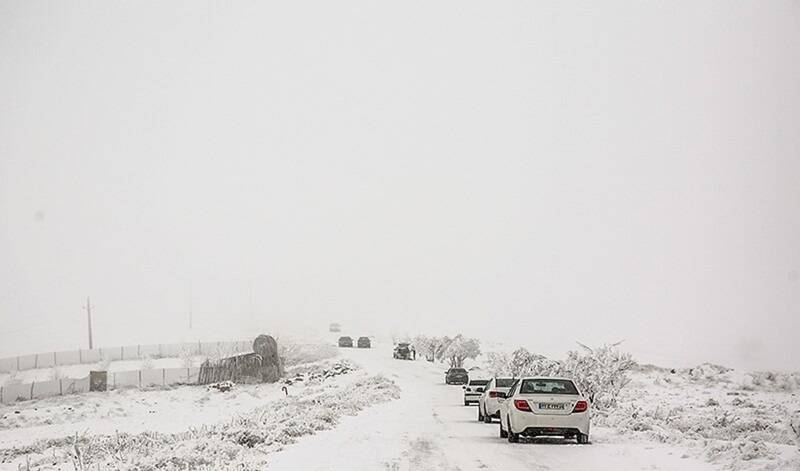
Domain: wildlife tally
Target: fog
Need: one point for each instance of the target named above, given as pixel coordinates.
(523, 173)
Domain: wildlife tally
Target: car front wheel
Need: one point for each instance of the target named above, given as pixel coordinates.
(582, 438)
(480, 414)
(503, 433)
(486, 417)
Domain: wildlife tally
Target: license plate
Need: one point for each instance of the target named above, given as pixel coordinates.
(551, 406)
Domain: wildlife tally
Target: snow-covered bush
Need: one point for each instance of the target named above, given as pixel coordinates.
(775, 381)
(794, 426)
(600, 373)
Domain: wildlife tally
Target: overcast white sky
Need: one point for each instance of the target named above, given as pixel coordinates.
(535, 172)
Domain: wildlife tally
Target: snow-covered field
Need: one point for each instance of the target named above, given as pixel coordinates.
(737, 420)
(364, 410)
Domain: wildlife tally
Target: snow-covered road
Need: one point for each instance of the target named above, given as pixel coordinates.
(429, 428)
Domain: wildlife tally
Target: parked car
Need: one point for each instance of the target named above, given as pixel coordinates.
(544, 406)
(489, 402)
(346, 342)
(456, 376)
(473, 390)
(364, 342)
(335, 327)
(404, 351)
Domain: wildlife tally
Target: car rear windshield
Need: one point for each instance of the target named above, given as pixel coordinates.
(504, 382)
(547, 386)
(478, 382)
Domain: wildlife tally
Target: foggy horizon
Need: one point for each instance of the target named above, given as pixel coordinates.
(522, 174)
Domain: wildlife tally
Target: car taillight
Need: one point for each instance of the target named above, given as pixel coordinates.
(522, 405)
(581, 406)
(492, 393)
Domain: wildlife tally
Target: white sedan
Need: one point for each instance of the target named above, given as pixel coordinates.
(473, 390)
(493, 393)
(544, 406)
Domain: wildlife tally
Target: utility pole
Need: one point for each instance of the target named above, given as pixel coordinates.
(88, 308)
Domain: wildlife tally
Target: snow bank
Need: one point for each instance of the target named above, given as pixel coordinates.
(713, 411)
(243, 442)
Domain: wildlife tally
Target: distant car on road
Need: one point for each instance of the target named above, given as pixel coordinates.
(346, 342)
(335, 327)
(544, 406)
(456, 376)
(402, 351)
(473, 390)
(489, 402)
(363, 342)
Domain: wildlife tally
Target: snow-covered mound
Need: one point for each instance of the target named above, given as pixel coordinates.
(741, 421)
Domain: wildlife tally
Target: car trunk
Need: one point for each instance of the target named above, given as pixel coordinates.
(551, 404)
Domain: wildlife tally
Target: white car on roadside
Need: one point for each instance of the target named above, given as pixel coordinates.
(493, 393)
(473, 390)
(536, 406)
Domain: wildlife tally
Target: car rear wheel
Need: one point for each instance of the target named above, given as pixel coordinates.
(512, 437)
(486, 417)
(582, 438)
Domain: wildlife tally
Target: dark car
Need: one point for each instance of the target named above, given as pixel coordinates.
(346, 342)
(403, 351)
(456, 376)
(363, 342)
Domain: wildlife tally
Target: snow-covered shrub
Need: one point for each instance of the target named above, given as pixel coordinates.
(706, 371)
(775, 381)
(794, 426)
(223, 386)
(600, 373)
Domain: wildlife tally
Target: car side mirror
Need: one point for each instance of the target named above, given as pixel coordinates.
(463, 387)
